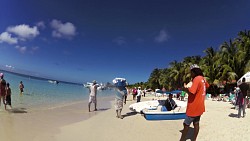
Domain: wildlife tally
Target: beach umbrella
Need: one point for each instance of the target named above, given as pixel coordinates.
(247, 77)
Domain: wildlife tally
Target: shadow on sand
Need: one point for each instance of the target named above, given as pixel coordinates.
(18, 110)
(189, 134)
(233, 115)
(103, 109)
(129, 114)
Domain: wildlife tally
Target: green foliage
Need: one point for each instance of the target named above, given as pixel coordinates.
(230, 62)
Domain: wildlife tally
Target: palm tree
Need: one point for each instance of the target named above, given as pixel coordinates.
(154, 79)
(176, 74)
(210, 65)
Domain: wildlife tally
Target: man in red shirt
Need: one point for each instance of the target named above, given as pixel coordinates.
(196, 101)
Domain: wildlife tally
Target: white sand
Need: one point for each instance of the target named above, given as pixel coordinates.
(69, 123)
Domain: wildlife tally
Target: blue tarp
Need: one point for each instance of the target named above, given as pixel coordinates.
(176, 91)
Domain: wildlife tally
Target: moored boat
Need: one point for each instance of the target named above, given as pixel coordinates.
(158, 114)
(152, 105)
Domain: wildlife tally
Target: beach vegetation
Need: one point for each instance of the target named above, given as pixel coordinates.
(220, 66)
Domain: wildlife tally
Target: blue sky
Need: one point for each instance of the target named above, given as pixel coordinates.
(83, 40)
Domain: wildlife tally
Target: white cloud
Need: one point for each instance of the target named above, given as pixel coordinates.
(6, 37)
(120, 41)
(21, 49)
(162, 37)
(34, 48)
(41, 24)
(62, 30)
(24, 31)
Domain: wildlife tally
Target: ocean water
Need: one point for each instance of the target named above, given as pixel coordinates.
(41, 93)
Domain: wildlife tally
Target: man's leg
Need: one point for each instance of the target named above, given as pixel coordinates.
(244, 107)
(95, 107)
(120, 114)
(184, 132)
(239, 111)
(89, 106)
(125, 99)
(196, 130)
(95, 101)
(117, 115)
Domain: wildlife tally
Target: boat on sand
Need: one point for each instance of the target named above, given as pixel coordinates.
(154, 110)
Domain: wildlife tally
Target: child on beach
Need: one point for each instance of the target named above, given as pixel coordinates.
(21, 86)
(8, 96)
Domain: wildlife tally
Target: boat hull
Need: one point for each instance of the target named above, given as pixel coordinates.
(164, 115)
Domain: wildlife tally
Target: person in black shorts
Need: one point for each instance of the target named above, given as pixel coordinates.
(8, 96)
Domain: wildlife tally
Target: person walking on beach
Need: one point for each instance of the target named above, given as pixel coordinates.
(125, 96)
(196, 101)
(8, 96)
(121, 92)
(244, 87)
(21, 87)
(134, 93)
(92, 95)
(139, 93)
(2, 88)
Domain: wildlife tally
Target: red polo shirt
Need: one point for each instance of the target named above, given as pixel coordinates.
(196, 100)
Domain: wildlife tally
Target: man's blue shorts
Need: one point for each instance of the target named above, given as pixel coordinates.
(188, 120)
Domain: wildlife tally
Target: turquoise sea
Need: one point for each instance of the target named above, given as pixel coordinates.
(42, 94)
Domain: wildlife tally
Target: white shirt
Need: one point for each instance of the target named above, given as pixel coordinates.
(138, 92)
(93, 90)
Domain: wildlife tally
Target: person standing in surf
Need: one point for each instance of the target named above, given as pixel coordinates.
(2, 88)
(8, 96)
(21, 87)
(92, 95)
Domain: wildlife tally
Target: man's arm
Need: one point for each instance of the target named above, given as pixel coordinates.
(186, 89)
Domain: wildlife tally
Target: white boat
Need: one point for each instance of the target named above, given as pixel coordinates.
(88, 84)
(138, 107)
(159, 114)
(53, 81)
(99, 86)
(152, 105)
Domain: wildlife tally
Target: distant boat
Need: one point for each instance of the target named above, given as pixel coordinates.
(88, 84)
(53, 81)
(99, 86)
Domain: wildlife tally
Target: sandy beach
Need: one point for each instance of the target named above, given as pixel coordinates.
(73, 123)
